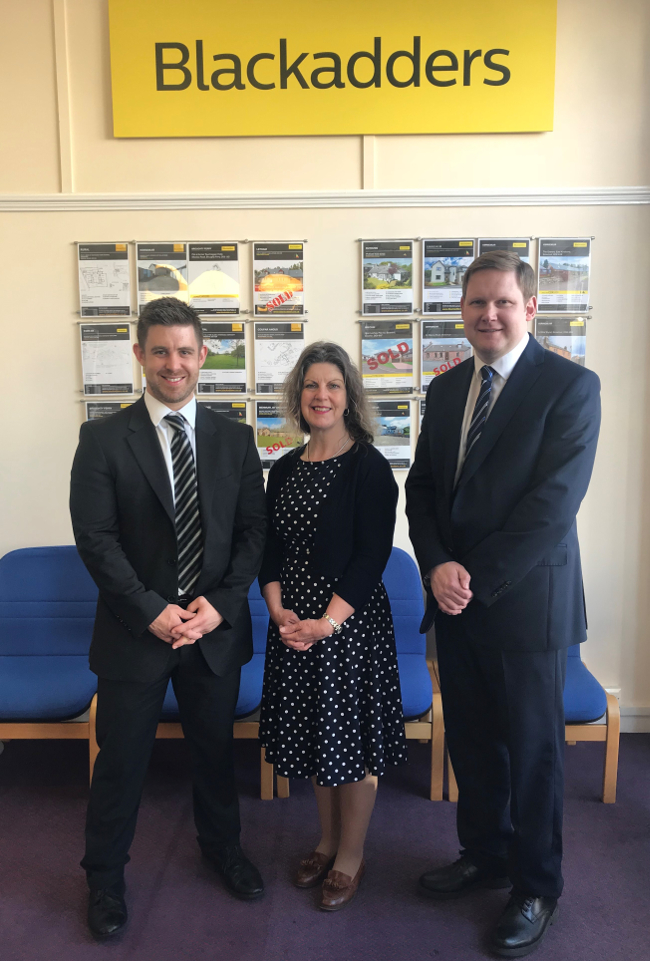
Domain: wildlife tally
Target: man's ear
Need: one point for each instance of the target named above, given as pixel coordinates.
(203, 353)
(139, 353)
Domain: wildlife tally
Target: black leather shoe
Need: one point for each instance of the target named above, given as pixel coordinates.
(106, 913)
(241, 877)
(457, 879)
(523, 924)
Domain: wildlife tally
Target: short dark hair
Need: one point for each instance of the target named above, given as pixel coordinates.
(358, 418)
(168, 312)
(508, 262)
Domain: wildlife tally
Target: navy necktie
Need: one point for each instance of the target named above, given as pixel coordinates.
(189, 537)
(480, 409)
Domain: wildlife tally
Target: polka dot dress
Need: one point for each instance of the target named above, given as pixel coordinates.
(335, 709)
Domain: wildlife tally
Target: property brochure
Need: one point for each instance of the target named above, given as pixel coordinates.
(272, 434)
(232, 409)
(96, 409)
(277, 348)
(387, 276)
(393, 438)
(444, 263)
(443, 346)
(278, 281)
(162, 271)
(104, 280)
(423, 407)
(387, 357)
(563, 274)
(518, 245)
(106, 358)
(566, 336)
(213, 278)
(224, 370)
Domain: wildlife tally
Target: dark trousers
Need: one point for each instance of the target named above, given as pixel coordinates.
(127, 716)
(504, 722)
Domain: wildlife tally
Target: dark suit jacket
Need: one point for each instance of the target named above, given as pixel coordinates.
(511, 522)
(123, 519)
(354, 528)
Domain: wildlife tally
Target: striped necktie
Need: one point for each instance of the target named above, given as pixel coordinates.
(186, 503)
(480, 409)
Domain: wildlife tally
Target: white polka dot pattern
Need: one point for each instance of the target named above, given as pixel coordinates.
(335, 709)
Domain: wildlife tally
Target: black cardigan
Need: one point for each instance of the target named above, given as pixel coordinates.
(354, 528)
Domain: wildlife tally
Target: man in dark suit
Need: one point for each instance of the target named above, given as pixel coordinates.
(503, 461)
(167, 505)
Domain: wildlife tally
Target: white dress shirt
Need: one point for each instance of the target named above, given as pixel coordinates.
(165, 432)
(502, 368)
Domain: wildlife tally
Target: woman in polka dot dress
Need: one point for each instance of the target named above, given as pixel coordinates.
(331, 705)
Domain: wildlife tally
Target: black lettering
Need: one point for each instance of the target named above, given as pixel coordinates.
(250, 71)
(334, 69)
(467, 66)
(431, 68)
(414, 57)
(375, 59)
(234, 72)
(285, 71)
(491, 65)
(161, 66)
(199, 67)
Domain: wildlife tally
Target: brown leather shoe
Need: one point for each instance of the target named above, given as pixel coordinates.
(339, 889)
(312, 870)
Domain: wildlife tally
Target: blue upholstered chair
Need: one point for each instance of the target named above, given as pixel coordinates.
(250, 693)
(585, 702)
(421, 699)
(47, 609)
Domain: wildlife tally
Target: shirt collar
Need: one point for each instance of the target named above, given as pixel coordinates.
(157, 410)
(505, 365)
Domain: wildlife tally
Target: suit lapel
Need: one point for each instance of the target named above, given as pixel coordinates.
(208, 458)
(453, 421)
(527, 370)
(146, 449)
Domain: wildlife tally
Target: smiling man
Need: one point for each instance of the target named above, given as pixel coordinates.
(168, 510)
(503, 462)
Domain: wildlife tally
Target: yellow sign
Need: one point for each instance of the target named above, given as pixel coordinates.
(207, 68)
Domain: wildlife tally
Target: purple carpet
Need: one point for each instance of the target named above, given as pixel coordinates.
(179, 909)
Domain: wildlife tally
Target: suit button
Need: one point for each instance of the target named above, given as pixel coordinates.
(171, 562)
(172, 599)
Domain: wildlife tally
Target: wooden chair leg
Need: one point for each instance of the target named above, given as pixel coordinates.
(283, 786)
(452, 789)
(266, 778)
(610, 771)
(437, 739)
(93, 748)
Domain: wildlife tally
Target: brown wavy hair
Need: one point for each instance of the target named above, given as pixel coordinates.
(358, 419)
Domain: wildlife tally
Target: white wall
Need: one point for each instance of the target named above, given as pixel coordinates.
(55, 130)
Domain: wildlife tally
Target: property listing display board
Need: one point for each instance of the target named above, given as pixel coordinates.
(387, 276)
(566, 336)
(422, 407)
(444, 346)
(233, 410)
(277, 348)
(104, 280)
(564, 267)
(387, 356)
(444, 263)
(106, 358)
(273, 436)
(162, 271)
(278, 279)
(97, 409)
(213, 278)
(224, 370)
(393, 437)
(518, 245)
